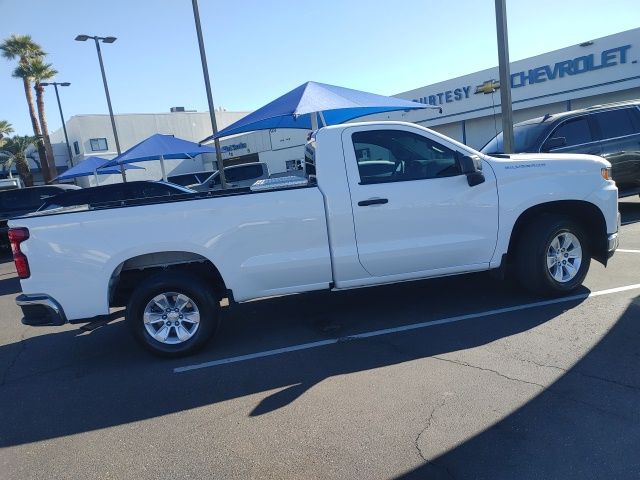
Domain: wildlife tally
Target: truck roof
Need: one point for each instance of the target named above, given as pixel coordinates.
(554, 117)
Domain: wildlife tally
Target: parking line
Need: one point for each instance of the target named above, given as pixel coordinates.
(623, 250)
(404, 328)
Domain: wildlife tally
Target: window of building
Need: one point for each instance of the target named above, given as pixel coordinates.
(575, 131)
(396, 155)
(76, 147)
(617, 123)
(98, 144)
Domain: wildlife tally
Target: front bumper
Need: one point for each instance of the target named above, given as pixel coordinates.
(40, 310)
(613, 239)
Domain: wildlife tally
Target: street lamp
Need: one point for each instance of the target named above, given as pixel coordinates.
(64, 127)
(207, 85)
(84, 38)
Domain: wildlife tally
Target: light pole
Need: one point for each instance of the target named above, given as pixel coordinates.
(207, 84)
(505, 77)
(84, 38)
(64, 127)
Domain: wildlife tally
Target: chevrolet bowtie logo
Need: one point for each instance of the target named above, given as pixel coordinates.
(487, 87)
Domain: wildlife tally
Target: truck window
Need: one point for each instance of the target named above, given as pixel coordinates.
(310, 159)
(617, 123)
(245, 172)
(576, 131)
(396, 155)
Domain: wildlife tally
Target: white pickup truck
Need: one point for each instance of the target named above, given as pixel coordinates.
(381, 202)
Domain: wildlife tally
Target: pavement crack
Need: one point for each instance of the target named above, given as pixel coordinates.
(465, 364)
(417, 440)
(583, 374)
(546, 388)
(607, 380)
(13, 361)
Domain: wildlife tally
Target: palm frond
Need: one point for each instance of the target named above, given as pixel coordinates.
(22, 47)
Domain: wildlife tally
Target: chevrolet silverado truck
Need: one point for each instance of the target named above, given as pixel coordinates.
(380, 202)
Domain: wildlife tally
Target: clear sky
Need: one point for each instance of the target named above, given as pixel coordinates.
(258, 50)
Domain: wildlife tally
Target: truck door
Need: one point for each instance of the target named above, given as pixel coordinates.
(413, 210)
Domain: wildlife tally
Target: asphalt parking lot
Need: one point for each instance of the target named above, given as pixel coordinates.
(462, 377)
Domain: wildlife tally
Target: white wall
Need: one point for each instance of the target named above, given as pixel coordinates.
(132, 129)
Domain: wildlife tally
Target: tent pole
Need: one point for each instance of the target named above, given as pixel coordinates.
(314, 121)
(164, 173)
(324, 122)
(95, 177)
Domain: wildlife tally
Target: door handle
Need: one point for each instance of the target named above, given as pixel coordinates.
(373, 201)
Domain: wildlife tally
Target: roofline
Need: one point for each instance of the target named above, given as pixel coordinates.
(550, 117)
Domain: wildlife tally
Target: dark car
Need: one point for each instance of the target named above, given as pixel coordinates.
(20, 201)
(611, 131)
(115, 192)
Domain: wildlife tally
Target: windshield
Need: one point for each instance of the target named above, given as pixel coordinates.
(526, 139)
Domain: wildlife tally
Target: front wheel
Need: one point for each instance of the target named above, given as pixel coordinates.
(173, 314)
(552, 256)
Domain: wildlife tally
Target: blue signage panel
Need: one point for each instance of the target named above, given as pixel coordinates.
(575, 66)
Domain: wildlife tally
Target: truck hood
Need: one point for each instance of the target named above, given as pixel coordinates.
(532, 166)
(549, 157)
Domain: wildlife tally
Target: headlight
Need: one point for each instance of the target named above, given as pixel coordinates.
(606, 173)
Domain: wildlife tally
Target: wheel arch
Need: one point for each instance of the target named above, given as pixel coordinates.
(586, 214)
(130, 272)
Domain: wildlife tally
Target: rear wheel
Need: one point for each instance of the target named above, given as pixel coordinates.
(552, 256)
(173, 314)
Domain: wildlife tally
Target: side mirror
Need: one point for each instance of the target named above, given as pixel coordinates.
(555, 142)
(471, 166)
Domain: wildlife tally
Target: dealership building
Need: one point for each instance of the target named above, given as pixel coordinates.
(594, 72)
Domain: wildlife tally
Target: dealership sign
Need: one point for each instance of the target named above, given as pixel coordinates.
(575, 66)
(591, 68)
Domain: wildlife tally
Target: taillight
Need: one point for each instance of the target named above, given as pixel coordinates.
(16, 237)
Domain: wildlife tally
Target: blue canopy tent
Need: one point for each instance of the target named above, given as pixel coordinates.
(302, 106)
(92, 166)
(160, 147)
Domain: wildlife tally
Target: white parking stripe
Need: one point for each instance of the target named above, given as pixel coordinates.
(404, 328)
(627, 251)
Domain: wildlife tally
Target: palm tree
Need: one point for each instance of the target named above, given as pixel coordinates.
(25, 50)
(5, 129)
(15, 152)
(39, 71)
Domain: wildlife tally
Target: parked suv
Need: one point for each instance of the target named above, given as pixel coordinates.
(19, 201)
(611, 131)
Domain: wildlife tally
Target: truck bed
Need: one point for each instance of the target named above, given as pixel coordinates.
(247, 235)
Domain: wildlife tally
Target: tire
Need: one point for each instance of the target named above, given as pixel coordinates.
(192, 309)
(542, 266)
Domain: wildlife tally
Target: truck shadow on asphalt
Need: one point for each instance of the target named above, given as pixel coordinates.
(629, 211)
(9, 284)
(584, 425)
(57, 383)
